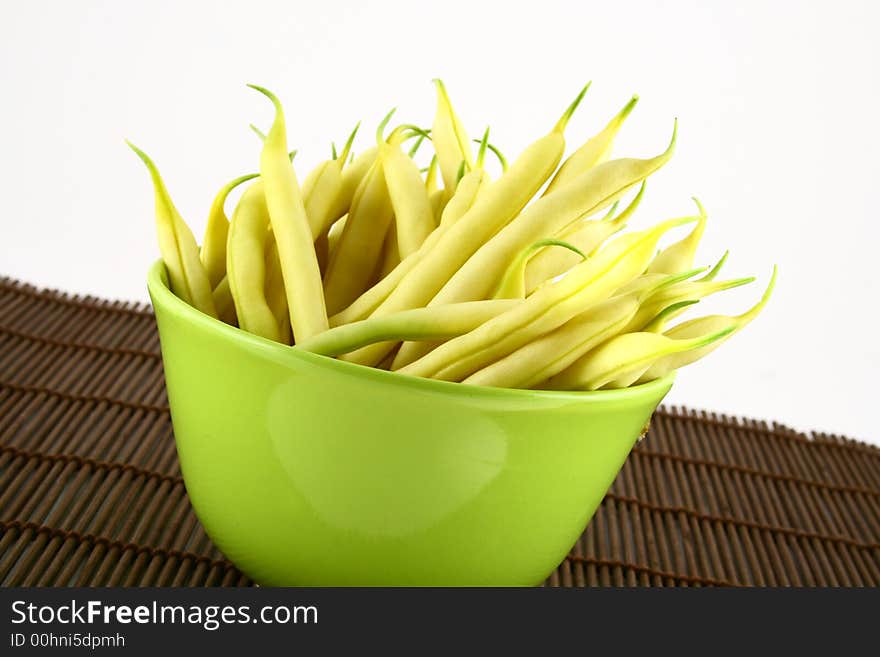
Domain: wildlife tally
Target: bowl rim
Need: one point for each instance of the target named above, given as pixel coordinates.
(161, 294)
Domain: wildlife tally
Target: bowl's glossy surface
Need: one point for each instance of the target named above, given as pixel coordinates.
(306, 470)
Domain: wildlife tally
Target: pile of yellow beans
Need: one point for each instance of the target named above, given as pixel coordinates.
(524, 281)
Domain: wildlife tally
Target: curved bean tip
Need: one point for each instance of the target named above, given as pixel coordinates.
(415, 148)
(683, 276)
(629, 107)
(670, 280)
(755, 310)
(410, 130)
(232, 184)
(610, 214)
(683, 221)
(556, 242)
(563, 121)
(659, 321)
(499, 155)
(717, 268)
(137, 150)
(380, 129)
(715, 337)
(737, 282)
(146, 159)
(633, 205)
(620, 220)
(671, 147)
(700, 208)
(262, 90)
(268, 94)
(770, 286)
(481, 153)
(346, 149)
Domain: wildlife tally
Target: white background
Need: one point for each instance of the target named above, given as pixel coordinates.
(778, 105)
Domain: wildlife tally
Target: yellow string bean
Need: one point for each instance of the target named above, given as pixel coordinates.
(213, 252)
(299, 264)
(186, 274)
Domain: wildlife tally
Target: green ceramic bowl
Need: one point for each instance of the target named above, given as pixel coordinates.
(306, 470)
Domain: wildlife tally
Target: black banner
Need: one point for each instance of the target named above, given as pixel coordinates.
(425, 620)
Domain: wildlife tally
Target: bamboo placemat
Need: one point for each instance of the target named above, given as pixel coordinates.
(91, 494)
